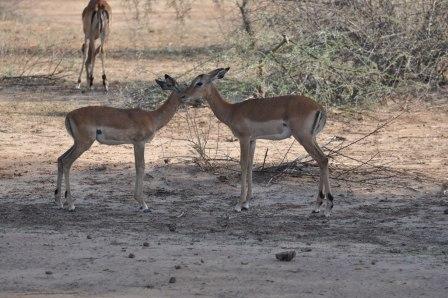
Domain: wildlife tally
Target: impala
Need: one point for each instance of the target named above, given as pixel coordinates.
(273, 118)
(114, 126)
(95, 23)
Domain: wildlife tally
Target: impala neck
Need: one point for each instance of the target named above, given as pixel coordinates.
(166, 111)
(221, 108)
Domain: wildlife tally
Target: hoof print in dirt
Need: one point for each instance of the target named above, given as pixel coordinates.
(172, 280)
(285, 256)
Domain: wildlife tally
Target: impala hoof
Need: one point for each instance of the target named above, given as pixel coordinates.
(237, 208)
(146, 210)
(315, 211)
(245, 206)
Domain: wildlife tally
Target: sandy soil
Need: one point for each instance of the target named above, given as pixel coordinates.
(387, 236)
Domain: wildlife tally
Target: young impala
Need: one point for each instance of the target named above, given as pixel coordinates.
(95, 23)
(273, 118)
(114, 126)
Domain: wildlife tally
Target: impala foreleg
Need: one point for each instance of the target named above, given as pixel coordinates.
(250, 162)
(139, 152)
(244, 163)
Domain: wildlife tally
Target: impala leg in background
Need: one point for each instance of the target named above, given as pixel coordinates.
(84, 50)
(250, 162)
(103, 54)
(139, 152)
(58, 191)
(244, 158)
(67, 162)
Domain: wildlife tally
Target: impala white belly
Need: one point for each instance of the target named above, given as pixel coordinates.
(270, 130)
(113, 136)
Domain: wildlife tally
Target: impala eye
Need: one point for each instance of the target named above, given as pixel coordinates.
(198, 84)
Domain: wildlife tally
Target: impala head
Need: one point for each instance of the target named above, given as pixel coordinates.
(199, 86)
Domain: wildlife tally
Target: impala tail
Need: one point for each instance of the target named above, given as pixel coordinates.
(319, 122)
(102, 14)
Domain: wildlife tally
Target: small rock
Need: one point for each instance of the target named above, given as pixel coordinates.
(131, 256)
(285, 256)
(172, 280)
(373, 262)
(149, 287)
(145, 244)
(172, 228)
(306, 249)
(48, 272)
(89, 237)
(244, 263)
(202, 261)
(177, 267)
(395, 250)
(222, 178)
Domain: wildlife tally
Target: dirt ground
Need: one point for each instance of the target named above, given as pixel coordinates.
(387, 236)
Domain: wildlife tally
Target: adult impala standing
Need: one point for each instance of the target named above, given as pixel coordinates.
(114, 126)
(95, 23)
(273, 118)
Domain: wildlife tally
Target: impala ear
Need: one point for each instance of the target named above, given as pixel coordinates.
(170, 80)
(218, 73)
(163, 85)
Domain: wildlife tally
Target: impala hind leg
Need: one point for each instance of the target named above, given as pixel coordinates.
(139, 153)
(310, 145)
(84, 49)
(103, 56)
(244, 162)
(67, 162)
(58, 191)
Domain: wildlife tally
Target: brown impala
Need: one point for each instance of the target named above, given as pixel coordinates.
(114, 126)
(95, 23)
(273, 118)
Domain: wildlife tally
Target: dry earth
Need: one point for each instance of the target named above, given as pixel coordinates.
(387, 237)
